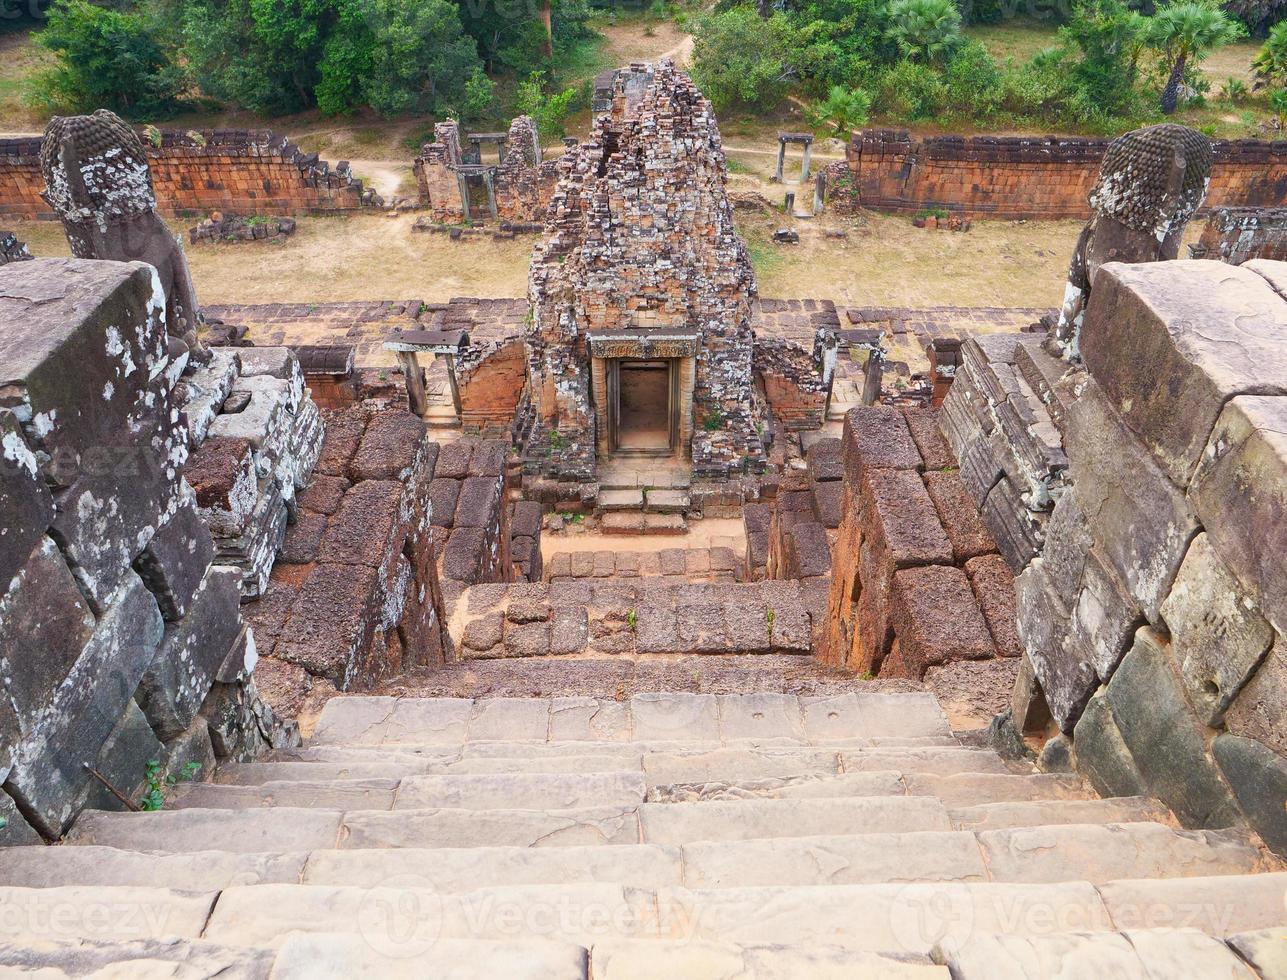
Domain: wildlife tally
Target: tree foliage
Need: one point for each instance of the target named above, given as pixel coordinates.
(1184, 33)
(926, 31)
(107, 59)
(841, 112)
(745, 61)
(1270, 64)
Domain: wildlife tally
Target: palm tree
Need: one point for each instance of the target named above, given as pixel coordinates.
(1186, 32)
(1270, 64)
(925, 30)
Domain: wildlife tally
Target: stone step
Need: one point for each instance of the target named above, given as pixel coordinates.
(54, 867)
(169, 957)
(1040, 813)
(631, 498)
(633, 522)
(634, 959)
(679, 823)
(665, 501)
(1103, 852)
(961, 788)
(1219, 905)
(972, 788)
(642, 718)
(324, 794)
(660, 768)
(264, 830)
(120, 914)
(1136, 955)
(308, 956)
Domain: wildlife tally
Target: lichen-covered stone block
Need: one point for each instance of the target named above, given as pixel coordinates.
(876, 437)
(175, 559)
(1066, 676)
(1260, 709)
(1164, 738)
(368, 527)
(192, 653)
(1171, 342)
(1240, 492)
(389, 447)
(123, 762)
(1101, 754)
(1140, 522)
(1217, 635)
(1258, 776)
(26, 508)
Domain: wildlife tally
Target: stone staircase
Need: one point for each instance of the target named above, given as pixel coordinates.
(669, 835)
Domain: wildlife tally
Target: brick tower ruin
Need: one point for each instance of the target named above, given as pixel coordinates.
(642, 271)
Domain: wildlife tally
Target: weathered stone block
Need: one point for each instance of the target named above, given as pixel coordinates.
(569, 630)
(192, 653)
(808, 553)
(1240, 492)
(1140, 522)
(479, 502)
(1260, 709)
(1101, 755)
(389, 448)
(876, 437)
(333, 622)
(462, 559)
(1163, 737)
(965, 528)
(993, 585)
(899, 515)
(489, 458)
(527, 639)
(45, 623)
(453, 460)
(1016, 529)
(1067, 679)
(1029, 713)
(829, 503)
(323, 495)
(442, 501)
(303, 540)
(936, 619)
(14, 829)
(826, 460)
(174, 561)
(1068, 542)
(123, 762)
(222, 474)
(1104, 617)
(26, 508)
(344, 428)
(242, 726)
(1217, 636)
(1172, 342)
(368, 527)
(526, 521)
(1258, 776)
(48, 768)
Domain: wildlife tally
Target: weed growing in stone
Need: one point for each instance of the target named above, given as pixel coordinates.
(159, 781)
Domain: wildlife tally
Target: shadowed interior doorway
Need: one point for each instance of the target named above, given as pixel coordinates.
(644, 416)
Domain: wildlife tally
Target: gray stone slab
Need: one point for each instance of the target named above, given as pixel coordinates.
(1040, 813)
(1238, 492)
(1100, 753)
(584, 718)
(679, 823)
(633, 959)
(760, 716)
(1217, 636)
(26, 507)
(1063, 669)
(104, 914)
(1258, 776)
(535, 791)
(304, 955)
(53, 867)
(675, 716)
(491, 828)
(339, 794)
(383, 720)
(1260, 708)
(1172, 342)
(1219, 905)
(254, 831)
(108, 957)
(1164, 738)
(175, 559)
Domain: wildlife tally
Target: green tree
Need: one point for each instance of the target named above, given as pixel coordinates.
(843, 111)
(1270, 64)
(743, 60)
(1184, 33)
(106, 59)
(1278, 102)
(926, 31)
(421, 61)
(548, 110)
(1109, 39)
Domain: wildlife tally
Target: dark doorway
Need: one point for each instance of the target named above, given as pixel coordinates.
(644, 413)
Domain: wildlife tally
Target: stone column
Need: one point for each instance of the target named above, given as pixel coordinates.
(804, 166)
(599, 392)
(687, 378)
(781, 159)
(819, 192)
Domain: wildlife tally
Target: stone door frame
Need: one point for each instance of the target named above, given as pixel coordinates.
(679, 348)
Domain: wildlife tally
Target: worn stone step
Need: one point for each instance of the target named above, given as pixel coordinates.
(325, 794)
(308, 956)
(637, 959)
(970, 789)
(467, 868)
(102, 913)
(834, 860)
(665, 501)
(491, 828)
(630, 498)
(1040, 813)
(412, 919)
(678, 823)
(266, 830)
(538, 791)
(1264, 949)
(256, 773)
(54, 867)
(648, 717)
(909, 918)
(169, 957)
(770, 762)
(1103, 852)
(1219, 906)
(813, 786)
(1170, 954)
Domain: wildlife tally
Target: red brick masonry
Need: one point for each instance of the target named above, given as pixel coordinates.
(240, 171)
(1022, 177)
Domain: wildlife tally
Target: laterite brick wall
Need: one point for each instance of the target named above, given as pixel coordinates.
(240, 171)
(1022, 177)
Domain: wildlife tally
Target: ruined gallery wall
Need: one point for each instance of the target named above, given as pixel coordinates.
(1022, 177)
(1236, 235)
(238, 171)
(1152, 602)
(120, 635)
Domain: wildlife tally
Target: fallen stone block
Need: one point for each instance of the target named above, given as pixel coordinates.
(175, 559)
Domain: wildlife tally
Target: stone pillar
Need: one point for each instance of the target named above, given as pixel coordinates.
(781, 160)
(489, 180)
(687, 377)
(804, 166)
(599, 391)
(819, 193)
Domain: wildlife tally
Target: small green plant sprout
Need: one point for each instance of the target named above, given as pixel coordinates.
(158, 781)
(714, 420)
(632, 618)
(866, 675)
(198, 138)
(558, 440)
(152, 134)
(769, 617)
(1234, 90)
(1278, 102)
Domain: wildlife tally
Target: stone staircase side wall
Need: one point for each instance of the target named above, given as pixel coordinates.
(1153, 604)
(1235, 235)
(121, 640)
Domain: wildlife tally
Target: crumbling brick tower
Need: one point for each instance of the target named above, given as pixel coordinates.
(641, 261)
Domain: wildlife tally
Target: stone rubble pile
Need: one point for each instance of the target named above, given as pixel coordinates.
(230, 228)
(120, 635)
(12, 250)
(257, 436)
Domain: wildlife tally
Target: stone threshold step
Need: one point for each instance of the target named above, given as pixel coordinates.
(266, 829)
(640, 522)
(875, 918)
(664, 767)
(1091, 852)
